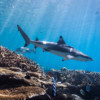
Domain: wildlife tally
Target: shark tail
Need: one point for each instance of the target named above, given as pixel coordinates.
(26, 38)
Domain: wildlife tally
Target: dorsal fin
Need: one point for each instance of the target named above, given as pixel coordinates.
(61, 40)
(37, 39)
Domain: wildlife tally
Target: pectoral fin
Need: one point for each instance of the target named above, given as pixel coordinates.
(65, 59)
(68, 57)
(34, 50)
(45, 50)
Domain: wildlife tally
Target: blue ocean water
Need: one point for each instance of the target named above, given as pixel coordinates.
(78, 21)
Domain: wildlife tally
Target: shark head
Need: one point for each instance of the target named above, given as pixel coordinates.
(81, 56)
(84, 58)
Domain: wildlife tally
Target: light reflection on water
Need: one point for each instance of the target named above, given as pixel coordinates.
(77, 21)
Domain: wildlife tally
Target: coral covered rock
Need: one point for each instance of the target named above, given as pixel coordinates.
(21, 93)
(19, 77)
(23, 79)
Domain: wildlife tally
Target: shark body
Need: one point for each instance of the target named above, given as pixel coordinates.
(60, 48)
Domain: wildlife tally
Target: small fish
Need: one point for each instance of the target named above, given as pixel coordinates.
(54, 87)
(24, 50)
(88, 88)
(82, 92)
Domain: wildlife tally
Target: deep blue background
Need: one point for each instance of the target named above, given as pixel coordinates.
(78, 21)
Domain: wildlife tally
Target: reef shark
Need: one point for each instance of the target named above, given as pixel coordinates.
(23, 50)
(60, 48)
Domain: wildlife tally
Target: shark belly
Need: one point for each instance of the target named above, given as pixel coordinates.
(81, 59)
(58, 53)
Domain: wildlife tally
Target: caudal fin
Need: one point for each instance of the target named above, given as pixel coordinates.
(26, 38)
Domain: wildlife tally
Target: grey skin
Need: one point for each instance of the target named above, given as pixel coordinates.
(60, 48)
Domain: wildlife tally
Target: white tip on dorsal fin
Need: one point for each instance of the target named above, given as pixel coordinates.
(61, 40)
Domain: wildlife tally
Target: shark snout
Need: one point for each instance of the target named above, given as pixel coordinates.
(83, 58)
(87, 58)
(90, 59)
